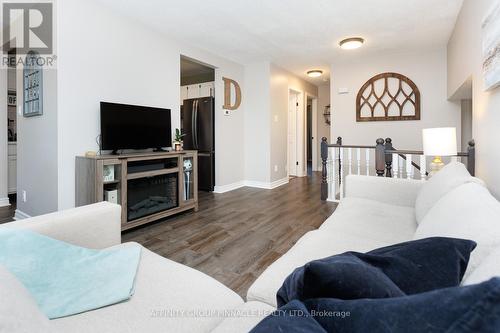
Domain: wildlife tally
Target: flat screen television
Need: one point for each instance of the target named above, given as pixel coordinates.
(134, 127)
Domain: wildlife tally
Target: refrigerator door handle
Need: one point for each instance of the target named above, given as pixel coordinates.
(196, 124)
(193, 124)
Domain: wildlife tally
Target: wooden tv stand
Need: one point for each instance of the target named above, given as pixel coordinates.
(149, 186)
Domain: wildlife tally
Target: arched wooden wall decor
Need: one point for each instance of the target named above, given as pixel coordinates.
(388, 96)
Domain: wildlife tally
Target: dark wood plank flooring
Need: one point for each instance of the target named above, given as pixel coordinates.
(234, 236)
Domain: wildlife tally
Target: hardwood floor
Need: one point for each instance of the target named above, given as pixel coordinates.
(234, 236)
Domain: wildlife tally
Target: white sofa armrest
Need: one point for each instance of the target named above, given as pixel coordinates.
(395, 191)
(94, 226)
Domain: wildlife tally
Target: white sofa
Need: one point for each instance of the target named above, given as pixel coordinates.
(162, 286)
(378, 211)
(375, 212)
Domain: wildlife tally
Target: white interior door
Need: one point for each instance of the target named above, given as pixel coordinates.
(292, 134)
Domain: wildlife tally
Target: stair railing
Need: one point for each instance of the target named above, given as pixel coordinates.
(339, 160)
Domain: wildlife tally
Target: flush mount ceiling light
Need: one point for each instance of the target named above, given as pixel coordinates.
(351, 43)
(315, 73)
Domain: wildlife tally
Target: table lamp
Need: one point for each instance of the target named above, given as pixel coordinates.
(439, 142)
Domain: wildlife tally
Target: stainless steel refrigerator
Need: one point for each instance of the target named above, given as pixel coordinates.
(198, 123)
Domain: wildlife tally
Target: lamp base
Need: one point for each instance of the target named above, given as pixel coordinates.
(436, 165)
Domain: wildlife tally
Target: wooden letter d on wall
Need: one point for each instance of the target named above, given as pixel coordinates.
(227, 94)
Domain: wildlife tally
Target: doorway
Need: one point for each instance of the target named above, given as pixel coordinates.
(466, 121)
(311, 133)
(296, 135)
(197, 123)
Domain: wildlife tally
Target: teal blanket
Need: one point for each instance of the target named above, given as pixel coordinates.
(66, 279)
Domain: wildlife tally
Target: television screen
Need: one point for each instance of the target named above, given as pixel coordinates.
(134, 127)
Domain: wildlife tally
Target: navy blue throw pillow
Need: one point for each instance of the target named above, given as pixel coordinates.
(392, 271)
(469, 309)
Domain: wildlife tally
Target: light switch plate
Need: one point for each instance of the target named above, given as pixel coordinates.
(343, 91)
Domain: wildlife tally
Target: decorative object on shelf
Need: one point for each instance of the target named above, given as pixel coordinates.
(178, 140)
(32, 86)
(111, 196)
(388, 96)
(108, 173)
(491, 48)
(326, 114)
(11, 98)
(227, 94)
(188, 168)
(439, 142)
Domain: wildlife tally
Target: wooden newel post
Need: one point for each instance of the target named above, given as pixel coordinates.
(388, 158)
(380, 157)
(471, 158)
(324, 175)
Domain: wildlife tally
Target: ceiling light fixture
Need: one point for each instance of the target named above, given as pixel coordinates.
(351, 43)
(315, 73)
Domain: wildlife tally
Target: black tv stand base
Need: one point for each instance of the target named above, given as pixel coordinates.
(160, 150)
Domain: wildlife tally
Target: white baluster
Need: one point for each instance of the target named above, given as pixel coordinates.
(342, 178)
(409, 167)
(358, 156)
(423, 167)
(367, 156)
(395, 165)
(349, 154)
(333, 185)
(401, 166)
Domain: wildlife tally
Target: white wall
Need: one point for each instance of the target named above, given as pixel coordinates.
(37, 160)
(322, 129)
(257, 125)
(426, 69)
(281, 82)
(4, 200)
(465, 61)
(113, 58)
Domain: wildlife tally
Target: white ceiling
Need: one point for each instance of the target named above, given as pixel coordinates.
(296, 34)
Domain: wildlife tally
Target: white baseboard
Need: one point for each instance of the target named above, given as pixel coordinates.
(267, 185)
(19, 215)
(4, 202)
(250, 183)
(229, 187)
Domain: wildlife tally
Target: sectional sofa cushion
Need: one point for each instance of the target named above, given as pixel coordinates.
(313, 245)
(393, 271)
(489, 268)
(357, 225)
(470, 212)
(451, 176)
(370, 219)
(168, 296)
(467, 309)
(19, 312)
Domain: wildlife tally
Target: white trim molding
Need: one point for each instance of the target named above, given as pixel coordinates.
(19, 215)
(266, 185)
(4, 202)
(229, 187)
(250, 183)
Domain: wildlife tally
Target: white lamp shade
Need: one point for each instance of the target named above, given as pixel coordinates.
(440, 141)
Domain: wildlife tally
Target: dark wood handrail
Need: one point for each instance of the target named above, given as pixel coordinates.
(418, 152)
(349, 146)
